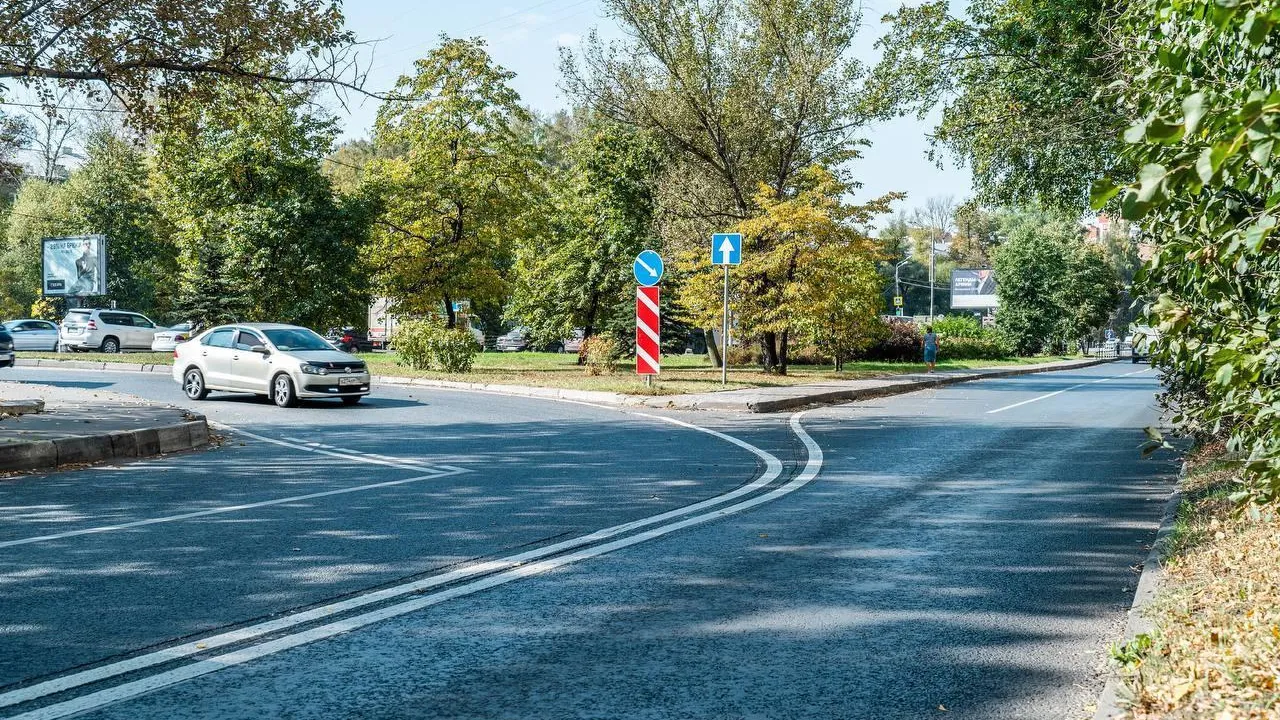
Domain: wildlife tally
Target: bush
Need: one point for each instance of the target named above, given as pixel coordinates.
(903, 342)
(990, 346)
(426, 345)
(599, 354)
(958, 326)
(739, 355)
(807, 355)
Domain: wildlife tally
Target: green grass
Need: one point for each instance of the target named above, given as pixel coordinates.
(680, 373)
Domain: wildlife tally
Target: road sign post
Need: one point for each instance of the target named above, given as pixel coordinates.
(648, 269)
(648, 332)
(726, 250)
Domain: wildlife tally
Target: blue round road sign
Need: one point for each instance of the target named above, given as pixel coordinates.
(648, 268)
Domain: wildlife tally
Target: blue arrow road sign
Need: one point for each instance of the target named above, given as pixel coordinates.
(726, 249)
(648, 268)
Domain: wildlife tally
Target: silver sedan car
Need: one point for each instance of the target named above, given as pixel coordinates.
(33, 334)
(284, 362)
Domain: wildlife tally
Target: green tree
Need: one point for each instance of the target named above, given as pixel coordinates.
(577, 272)
(146, 51)
(1201, 83)
(1017, 81)
(39, 211)
(109, 195)
(451, 204)
(746, 95)
(241, 187)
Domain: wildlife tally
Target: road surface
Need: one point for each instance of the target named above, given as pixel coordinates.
(439, 554)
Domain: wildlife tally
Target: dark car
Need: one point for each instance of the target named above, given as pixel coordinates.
(6, 348)
(349, 339)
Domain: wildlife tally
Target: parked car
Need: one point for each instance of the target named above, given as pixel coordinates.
(33, 334)
(284, 362)
(6, 348)
(348, 339)
(166, 340)
(109, 331)
(514, 341)
(573, 343)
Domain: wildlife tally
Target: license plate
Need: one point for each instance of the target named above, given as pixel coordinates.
(349, 381)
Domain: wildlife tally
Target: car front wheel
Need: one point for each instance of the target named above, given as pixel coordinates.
(193, 385)
(282, 392)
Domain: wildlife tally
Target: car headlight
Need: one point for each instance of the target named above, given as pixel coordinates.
(310, 369)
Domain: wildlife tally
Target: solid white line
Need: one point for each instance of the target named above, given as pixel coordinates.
(443, 471)
(512, 568)
(314, 448)
(1059, 392)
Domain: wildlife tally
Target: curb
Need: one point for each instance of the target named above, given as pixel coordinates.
(144, 442)
(589, 396)
(21, 407)
(1149, 583)
(90, 365)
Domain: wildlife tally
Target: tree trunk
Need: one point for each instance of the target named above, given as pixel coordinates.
(782, 354)
(769, 343)
(713, 351)
(451, 319)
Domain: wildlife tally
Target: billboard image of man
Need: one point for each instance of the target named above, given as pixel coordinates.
(74, 266)
(86, 280)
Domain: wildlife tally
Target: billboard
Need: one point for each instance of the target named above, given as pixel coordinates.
(74, 266)
(973, 288)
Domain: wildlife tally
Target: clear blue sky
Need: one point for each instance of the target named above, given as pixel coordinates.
(525, 35)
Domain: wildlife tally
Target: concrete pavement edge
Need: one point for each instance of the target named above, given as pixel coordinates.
(1149, 583)
(139, 443)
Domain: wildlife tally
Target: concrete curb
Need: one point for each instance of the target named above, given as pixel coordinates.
(21, 407)
(891, 386)
(143, 442)
(1149, 583)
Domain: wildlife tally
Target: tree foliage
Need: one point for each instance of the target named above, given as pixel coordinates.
(1017, 81)
(450, 205)
(149, 53)
(1054, 290)
(575, 272)
(240, 187)
(807, 263)
(1206, 95)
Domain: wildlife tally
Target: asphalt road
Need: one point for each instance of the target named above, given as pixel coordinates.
(968, 548)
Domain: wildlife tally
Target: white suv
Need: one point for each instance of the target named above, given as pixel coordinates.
(109, 331)
(285, 362)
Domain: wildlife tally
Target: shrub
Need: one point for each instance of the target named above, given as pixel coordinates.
(903, 342)
(599, 354)
(807, 355)
(747, 354)
(426, 345)
(990, 346)
(958, 326)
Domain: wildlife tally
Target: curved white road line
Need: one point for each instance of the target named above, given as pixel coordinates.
(503, 571)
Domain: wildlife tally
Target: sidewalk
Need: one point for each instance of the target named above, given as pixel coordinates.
(760, 400)
(79, 426)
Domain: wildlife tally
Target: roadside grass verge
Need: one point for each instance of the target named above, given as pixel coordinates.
(1215, 649)
(680, 373)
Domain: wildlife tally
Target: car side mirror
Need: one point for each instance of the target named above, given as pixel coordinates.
(260, 349)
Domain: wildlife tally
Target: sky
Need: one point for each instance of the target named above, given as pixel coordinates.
(525, 37)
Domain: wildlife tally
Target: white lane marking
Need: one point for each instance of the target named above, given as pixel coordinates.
(1059, 392)
(506, 570)
(442, 471)
(316, 448)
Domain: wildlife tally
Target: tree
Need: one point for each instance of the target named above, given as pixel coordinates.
(1018, 83)
(239, 183)
(450, 205)
(747, 95)
(576, 273)
(109, 195)
(39, 211)
(1054, 289)
(1201, 87)
(148, 53)
(805, 258)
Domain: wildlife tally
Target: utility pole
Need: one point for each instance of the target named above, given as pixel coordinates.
(897, 286)
(933, 265)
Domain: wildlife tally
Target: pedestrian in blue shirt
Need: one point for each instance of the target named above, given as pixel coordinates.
(930, 347)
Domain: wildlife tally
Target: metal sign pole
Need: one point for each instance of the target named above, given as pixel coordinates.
(724, 333)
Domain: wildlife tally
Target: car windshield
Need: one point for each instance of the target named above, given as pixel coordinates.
(286, 339)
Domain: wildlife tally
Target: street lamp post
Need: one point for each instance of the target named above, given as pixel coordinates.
(933, 266)
(897, 286)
